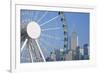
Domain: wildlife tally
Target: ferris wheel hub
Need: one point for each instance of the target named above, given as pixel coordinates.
(33, 30)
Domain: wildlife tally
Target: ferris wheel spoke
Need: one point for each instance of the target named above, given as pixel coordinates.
(24, 21)
(44, 48)
(25, 42)
(42, 16)
(40, 50)
(49, 36)
(46, 43)
(49, 20)
(36, 15)
(55, 28)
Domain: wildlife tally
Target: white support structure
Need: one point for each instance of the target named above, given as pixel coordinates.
(24, 45)
(40, 50)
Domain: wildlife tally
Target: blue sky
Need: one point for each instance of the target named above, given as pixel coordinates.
(76, 21)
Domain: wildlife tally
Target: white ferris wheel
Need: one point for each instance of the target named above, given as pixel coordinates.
(41, 33)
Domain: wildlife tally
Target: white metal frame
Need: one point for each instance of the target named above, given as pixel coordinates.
(15, 38)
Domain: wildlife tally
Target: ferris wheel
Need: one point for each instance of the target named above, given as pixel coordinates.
(41, 33)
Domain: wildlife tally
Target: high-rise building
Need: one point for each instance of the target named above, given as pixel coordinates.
(74, 41)
(81, 54)
(74, 44)
(86, 51)
(77, 57)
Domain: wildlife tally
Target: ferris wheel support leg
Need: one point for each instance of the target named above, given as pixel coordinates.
(24, 44)
(30, 52)
(40, 50)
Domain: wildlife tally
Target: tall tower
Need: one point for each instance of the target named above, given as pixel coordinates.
(74, 41)
(74, 44)
(65, 28)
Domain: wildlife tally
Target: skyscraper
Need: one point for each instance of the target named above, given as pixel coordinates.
(86, 51)
(77, 57)
(74, 44)
(74, 41)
